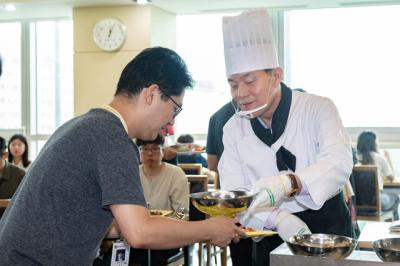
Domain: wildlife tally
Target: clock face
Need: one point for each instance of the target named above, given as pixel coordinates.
(109, 34)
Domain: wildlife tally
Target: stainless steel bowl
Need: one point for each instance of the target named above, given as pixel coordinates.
(387, 249)
(322, 245)
(222, 202)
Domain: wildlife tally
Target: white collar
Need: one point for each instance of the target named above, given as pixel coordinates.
(117, 114)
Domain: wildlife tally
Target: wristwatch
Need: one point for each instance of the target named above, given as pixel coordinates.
(295, 185)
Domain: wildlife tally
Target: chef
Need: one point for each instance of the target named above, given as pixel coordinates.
(289, 147)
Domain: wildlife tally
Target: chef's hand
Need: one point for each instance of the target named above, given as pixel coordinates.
(223, 230)
(253, 220)
(270, 190)
(287, 224)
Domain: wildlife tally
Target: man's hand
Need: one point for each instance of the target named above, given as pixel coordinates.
(142, 231)
(287, 224)
(224, 230)
(253, 220)
(270, 190)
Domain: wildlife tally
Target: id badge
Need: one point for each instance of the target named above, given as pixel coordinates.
(120, 253)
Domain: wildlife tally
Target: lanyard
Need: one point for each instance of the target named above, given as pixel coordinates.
(117, 114)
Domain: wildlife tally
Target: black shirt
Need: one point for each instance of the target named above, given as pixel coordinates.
(217, 122)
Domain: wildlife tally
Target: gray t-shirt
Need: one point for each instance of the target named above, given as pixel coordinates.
(60, 212)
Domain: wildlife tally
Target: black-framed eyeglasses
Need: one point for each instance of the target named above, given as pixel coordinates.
(152, 149)
(177, 108)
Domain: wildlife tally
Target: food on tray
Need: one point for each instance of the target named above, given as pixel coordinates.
(247, 229)
(251, 232)
(156, 212)
(160, 212)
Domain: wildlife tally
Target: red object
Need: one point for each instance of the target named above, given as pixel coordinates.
(168, 130)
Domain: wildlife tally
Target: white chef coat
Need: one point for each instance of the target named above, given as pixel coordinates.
(314, 134)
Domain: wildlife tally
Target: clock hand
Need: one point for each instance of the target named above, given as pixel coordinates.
(110, 31)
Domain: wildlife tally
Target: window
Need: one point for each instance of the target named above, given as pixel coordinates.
(199, 42)
(51, 72)
(10, 81)
(37, 82)
(350, 55)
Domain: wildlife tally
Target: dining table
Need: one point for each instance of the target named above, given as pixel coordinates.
(391, 184)
(373, 231)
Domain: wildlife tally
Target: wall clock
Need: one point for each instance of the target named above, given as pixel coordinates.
(109, 34)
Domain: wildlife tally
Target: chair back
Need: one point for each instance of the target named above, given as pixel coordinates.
(3, 206)
(367, 193)
(4, 203)
(197, 183)
(191, 168)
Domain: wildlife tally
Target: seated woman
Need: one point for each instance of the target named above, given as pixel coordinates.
(18, 151)
(367, 148)
(10, 175)
(165, 187)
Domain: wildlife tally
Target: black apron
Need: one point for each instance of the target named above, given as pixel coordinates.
(334, 216)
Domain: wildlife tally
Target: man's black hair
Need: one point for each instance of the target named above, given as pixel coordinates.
(156, 65)
(159, 140)
(185, 138)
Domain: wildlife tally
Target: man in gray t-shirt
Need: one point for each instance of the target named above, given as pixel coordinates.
(86, 177)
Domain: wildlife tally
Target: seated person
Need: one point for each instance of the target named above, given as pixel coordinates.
(165, 187)
(170, 155)
(18, 151)
(190, 158)
(367, 148)
(10, 175)
(195, 157)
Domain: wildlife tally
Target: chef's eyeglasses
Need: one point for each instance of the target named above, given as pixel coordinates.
(177, 108)
(153, 149)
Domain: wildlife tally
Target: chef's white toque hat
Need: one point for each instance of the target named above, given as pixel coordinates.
(248, 42)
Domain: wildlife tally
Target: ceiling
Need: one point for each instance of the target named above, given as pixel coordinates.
(63, 8)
